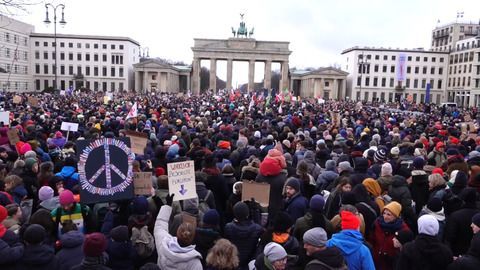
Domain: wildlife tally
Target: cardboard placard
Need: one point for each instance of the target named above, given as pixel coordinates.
(33, 101)
(142, 183)
(258, 191)
(17, 99)
(138, 140)
(181, 180)
(106, 99)
(68, 126)
(13, 136)
(105, 168)
(5, 118)
(467, 118)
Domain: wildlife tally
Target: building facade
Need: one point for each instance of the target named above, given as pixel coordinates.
(153, 75)
(373, 74)
(445, 37)
(99, 63)
(327, 83)
(15, 72)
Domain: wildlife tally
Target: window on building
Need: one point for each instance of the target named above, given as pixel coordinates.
(45, 55)
(384, 68)
(95, 45)
(95, 71)
(104, 86)
(104, 46)
(37, 44)
(409, 70)
(104, 71)
(112, 71)
(87, 71)
(384, 82)
(70, 70)
(425, 59)
(415, 83)
(424, 70)
(95, 57)
(441, 60)
(432, 70)
(87, 57)
(79, 57)
(120, 72)
(53, 55)
(394, 57)
(392, 82)
(104, 57)
(416, 70)
(409, 58)
(70, 44)
(417, 59)
(432, 83)
(121, 62)
(112, 46)
(62, 70)
(375, 82)
(434, 59)
(385, 57)
(113, 59)
(70, 56)
(79, 45)
(37, 85)
(439, 84)
(37, 68)
(440, 70)
(45, 69)
(375, 68)
(407, 83)
(390, 97)
(120, 47)
(424, 83)
(392, 69)
(359, 80)
(37, 55)
(45, 44)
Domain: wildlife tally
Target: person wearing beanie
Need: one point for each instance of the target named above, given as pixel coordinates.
(336, 198)
(295, 204)
(121, 253)
(381, 238)
(344, 168)
(328, 176)
(37, 254)
(277, 182)
(419, 185)
(70, 242)
(375, 191)
(11, 249)
(273, 257)
(243, 233)
(470, 260)
(426, 251)
(94, 247)
(350, 242)
(207, 233)
(438, 154)
(79, 214)
(434, 207)
(314, 243)
(175, 252)
(47, 199)
(315, 217)
(68, 173)
(458, 232)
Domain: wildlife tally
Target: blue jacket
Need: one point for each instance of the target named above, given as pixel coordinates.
(350, 243)
(297, 206)
(244, 235)
(71, 253)
(70, 177)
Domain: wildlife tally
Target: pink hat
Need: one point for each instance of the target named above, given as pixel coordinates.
(58, 134)
(66, 197)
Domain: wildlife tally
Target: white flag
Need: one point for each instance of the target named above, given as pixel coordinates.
(133, 112)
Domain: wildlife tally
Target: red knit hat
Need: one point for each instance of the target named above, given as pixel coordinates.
(66, 197)
(94, 245)
(270, 167)
(454, 141)
(224, 144)
(439, 171)
(3, 216)
(349, 221)
(159, 171)
(439, 145)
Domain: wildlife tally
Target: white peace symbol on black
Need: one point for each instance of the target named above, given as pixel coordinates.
(107, 167)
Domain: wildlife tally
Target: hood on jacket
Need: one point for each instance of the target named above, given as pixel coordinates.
(349, 241)
(51, 204)
(67, 171)
(173, 254)
(331, 256)
(37, 255)
(72, 239)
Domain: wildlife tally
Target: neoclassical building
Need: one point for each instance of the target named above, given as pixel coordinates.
(325, 82)
(155, 75)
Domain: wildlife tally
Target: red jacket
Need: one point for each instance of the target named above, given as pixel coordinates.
(382, 242)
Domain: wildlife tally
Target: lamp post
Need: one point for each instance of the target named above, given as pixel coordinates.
(143, 52)
(47, 22)
(362, 62)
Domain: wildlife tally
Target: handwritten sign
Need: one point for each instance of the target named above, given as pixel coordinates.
(5, 118)
(142, 183)
(138, 141)
(181, 180)
(13, 136)
(17, 99)
(68, 126)
(258, 191)
(33, 101)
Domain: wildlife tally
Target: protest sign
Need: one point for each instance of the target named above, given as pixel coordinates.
(258, 191)
(68, 126)
(142, 183)
(181, 180)
(105, 170)
(5, 118)
(138, 141)
(106, 99)
(13, 136)
(33, 101)
(17, 99)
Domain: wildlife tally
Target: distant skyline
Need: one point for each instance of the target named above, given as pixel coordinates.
(318, 31)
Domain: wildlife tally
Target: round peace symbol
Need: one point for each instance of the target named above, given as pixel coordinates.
(90, 183)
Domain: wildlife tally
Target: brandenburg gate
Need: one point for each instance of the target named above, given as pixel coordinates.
(241, 47)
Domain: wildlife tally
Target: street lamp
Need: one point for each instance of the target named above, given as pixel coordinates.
(143, 51)
(362, 62)
(62, 23)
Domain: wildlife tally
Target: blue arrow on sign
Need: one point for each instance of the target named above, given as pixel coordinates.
(182, 190)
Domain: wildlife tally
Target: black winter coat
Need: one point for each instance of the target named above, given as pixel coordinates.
(244, 235)
(424, 253)
(38, 257)
(458, 233)
(71, 253)
(470, 261)
(276, 189)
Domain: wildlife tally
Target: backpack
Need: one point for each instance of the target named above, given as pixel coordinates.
(203, 206)
(143, 241)
(320, 263)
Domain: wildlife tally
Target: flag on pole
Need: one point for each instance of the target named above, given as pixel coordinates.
(133, 112)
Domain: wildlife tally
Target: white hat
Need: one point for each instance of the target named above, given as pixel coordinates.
(427, 224)
(257, 134)
(395, 151)
(274, 252)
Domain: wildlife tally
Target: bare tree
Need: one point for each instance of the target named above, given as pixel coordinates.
(15, 7)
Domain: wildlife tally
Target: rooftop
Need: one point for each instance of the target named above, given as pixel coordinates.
(44, 35)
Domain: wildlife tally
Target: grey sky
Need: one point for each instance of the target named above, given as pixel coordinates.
(317, 30)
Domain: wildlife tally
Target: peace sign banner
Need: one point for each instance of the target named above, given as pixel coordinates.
(105, 169)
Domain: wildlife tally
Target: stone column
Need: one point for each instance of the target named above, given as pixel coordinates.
(284, 72)
(321, 90)
(251, 75)
(188, 83)
(334, 93)
(145, 82)
(196, 76)
(158, 81)
(229, 73)
(213, 75)
(168, 83)
(267, 78)
(137, 81)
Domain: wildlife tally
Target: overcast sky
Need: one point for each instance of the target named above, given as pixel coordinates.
(317, 30)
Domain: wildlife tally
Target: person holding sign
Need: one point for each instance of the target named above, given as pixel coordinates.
(175, 252)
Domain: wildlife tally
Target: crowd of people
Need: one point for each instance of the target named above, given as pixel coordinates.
(352, 185)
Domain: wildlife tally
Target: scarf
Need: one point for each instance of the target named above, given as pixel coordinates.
(280, 238)
(391, 227)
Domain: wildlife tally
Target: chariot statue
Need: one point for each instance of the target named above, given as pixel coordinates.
(242, 31)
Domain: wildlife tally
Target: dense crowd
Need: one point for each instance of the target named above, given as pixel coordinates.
(352, 185)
